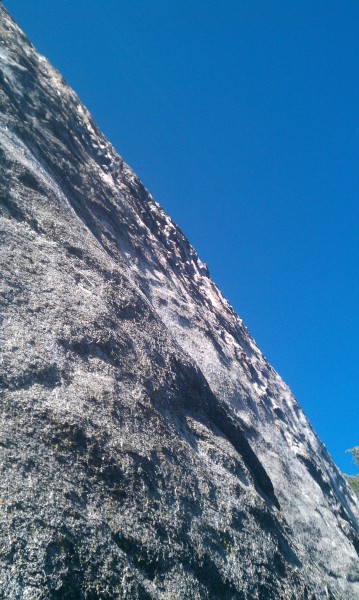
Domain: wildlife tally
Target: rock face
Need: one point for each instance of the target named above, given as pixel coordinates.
(147, 448)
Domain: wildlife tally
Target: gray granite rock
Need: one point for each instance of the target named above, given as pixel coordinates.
(147, 448)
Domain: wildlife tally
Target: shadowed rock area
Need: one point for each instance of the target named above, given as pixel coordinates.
(147, 449)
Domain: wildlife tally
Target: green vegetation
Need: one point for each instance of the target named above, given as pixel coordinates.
(354, 479)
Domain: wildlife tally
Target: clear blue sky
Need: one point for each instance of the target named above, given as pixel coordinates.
(241, 118)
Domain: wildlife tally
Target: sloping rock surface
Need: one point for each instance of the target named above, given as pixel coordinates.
(147, 448)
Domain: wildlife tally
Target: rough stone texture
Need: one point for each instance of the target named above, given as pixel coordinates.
(147, 448)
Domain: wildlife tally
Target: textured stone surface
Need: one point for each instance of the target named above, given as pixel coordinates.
(147, 449)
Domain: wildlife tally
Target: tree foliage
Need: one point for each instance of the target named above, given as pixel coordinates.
(354, 479)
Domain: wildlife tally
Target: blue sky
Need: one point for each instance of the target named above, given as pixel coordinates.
(241, 118)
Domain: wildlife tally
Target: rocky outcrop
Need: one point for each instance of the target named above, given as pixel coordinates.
(147, 448)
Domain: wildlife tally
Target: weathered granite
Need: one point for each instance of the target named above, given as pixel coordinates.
(147, 448)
